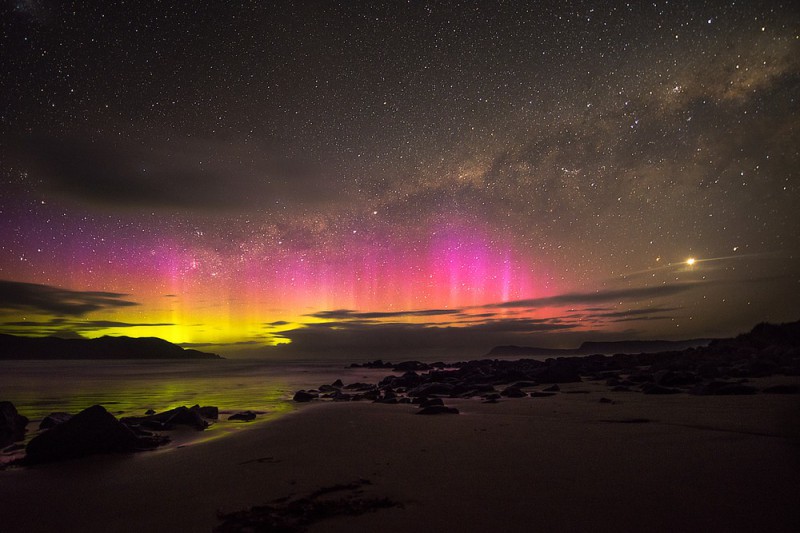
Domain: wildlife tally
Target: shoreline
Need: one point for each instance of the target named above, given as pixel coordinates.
(566, 462)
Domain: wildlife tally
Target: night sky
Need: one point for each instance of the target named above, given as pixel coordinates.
(371, 177)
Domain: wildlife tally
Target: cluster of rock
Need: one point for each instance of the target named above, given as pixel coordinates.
(94, 430)
(721, 368)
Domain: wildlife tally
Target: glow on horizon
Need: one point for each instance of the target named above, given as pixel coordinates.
(202, 294)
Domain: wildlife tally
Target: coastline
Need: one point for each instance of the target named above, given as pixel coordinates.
(566, 463)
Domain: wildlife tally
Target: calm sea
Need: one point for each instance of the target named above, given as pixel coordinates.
(127, 388)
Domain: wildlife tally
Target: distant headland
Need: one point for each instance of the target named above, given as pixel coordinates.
(18, 348)
(591, 348)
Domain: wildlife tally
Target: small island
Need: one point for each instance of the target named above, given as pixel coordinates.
(13, 347)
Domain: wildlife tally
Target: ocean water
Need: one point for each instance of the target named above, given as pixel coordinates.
(129, 388)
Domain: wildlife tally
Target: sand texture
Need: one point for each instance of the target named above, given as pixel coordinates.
(564, 463)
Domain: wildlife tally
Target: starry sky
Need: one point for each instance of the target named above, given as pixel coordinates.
(398, 177)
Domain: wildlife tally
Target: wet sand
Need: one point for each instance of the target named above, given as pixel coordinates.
(564, 463)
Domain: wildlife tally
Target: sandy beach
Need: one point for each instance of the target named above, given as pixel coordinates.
(564, 463)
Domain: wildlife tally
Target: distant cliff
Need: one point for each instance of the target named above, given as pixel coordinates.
(20, 348)
(589, 348)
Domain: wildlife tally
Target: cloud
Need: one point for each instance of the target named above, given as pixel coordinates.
(347, 314)
(62, 327)
(84, 324)
(46, 299)
(637, 312)
(348, 339)
(184, 174)
(585, 298)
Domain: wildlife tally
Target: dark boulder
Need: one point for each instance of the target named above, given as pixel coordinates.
(431, 401)
(12, 424)
(328, 388)
(552, 388)
(93, 430)
(438, 410)
(244, 416)
(186, 417)
(54, 419)
(303, 396)
(411, 366)
(513, 392)
(338, 384)
(359, 386)
(652, 388)
(207, 411)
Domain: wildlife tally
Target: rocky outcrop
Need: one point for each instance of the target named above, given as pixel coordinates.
(167, 420)
(92, 431)
(244, 416)
(54, 419)
(12, 424)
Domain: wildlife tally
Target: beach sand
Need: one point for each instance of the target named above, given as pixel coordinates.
(564, 463)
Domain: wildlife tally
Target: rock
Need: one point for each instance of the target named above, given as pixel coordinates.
(338, 384)
(552, 388)
(537, 394)
(186, 417)
(93, 430)
(429, 389)
(244, 416)
(392, 400)
(169, 419)
(782, 389)
(54, 419)
(605, 400)
(359, 386)
(411, 366)
(491, 398)
(438, 410)
(208, 411)
(513, 392)
(155, 425)
(340, 396)
(373, 394)
(150, 412)
(431, 401)
(303, 396)
(328, 388)
(652, 388)
(12, 424)
(558, 371)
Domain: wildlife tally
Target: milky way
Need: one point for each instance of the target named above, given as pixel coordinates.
(386, 175)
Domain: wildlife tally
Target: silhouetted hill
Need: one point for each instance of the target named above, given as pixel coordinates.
(589, 348)
(19, 348)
